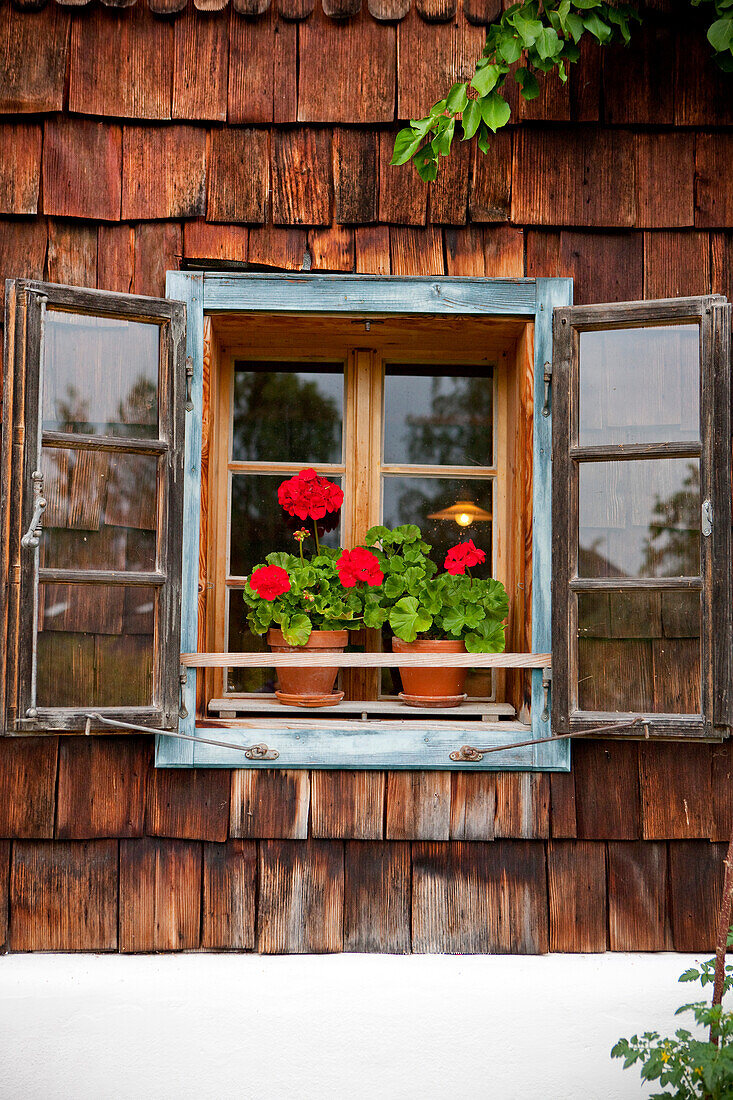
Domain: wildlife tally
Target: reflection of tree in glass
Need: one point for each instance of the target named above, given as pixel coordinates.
(73, 413)
(458, 430)
(672, 547)
(283, 417)
(139, 408)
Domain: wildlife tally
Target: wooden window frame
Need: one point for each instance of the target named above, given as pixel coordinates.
(20, 568)
(712, 315)
(330, 744)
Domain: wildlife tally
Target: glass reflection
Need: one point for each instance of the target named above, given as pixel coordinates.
(639, 518)
(639, 652)
(639, 385)
(100, 376)
(95, 645)
(285, 412)
(101, 511)
(438, 419)
(242, 640)
(415, 499)
(259, 525)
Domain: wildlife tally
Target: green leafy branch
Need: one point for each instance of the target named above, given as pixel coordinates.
(529, 39)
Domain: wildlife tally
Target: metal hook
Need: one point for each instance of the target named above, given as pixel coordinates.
(188, 406)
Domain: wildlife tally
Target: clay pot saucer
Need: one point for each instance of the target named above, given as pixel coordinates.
(291, 700)
(432, 700)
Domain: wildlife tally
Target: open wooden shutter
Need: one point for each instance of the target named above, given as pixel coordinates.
(92, 475)
(641, 593)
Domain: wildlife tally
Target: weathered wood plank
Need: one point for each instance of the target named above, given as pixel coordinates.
(472, 806)
(238, 180)
(228, 907)
(191, 805)
(63, 896)
(448, 197)
(563, 820)
(701, 92)
(355, 176)
(722, 791)
(4, 892)
(503, 252)
(101, 787)
(543, 254)
(263, 69)
(637, 897)
(158, 249)
(163, 172)
(416, 251)
(418, 806)
(282, 249)
(464, 251)
(522, 805)
(371, 246)
(607, 798)
(81, 169)
(33, 57)
(428, 63)
(301, 897)
(22, 251)
(347, 805)
(606, 267)
(363, 91)
(20, 167)
(27, 786)
(205, 241)
(160, 895)
(576, 872)
(648, 57)
(121, 64)
(403, 196)
(200, 70)
(479, 898)
(332, 249)
(270, 803)
(115, 257)
(676, 264)
(676, 791)
(695, 886)
(665, 179)
(713, 193)
(301, 177)
(377, 898)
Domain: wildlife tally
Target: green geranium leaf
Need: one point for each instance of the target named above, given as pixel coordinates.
(285, 561)
(394, 586)
(489, 638)
(376, 534)
(375, 617)
(454, 620)
(408, 619)
(495, 111)
(297, 631)
(406, 145)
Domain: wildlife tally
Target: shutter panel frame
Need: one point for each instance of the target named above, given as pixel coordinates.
(712, 313)
(20, 567)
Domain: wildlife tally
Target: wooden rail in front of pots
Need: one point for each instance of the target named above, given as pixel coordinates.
(323, 659)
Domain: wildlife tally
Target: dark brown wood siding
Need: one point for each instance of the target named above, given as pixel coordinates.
(224, 148)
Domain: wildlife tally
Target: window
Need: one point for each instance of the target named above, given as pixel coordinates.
(642, 583)
(92, 552)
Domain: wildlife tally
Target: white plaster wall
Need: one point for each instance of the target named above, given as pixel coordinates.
(354, 1026)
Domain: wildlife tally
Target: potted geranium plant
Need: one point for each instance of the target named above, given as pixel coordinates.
(436, 612)
(311, 602)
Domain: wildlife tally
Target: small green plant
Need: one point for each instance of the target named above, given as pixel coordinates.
(417, 601)
(687, 1066)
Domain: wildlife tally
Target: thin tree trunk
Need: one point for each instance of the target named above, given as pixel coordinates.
(724, 921)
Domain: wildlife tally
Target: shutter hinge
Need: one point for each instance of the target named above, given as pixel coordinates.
(182, 680)
(188, 406)
(706, 519)
(548, 384)
(546, 693)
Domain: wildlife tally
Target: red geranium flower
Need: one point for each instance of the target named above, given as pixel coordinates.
(309, 496)
(462, 557)
(269, 582)
(359, 565)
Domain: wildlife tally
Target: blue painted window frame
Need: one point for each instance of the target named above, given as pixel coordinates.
(524, 299)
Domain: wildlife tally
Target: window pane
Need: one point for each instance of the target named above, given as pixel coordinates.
(95, 645)
(286, 412)
(259, 525)
(101, 511)
(639, 651)
(438, 417)
(419, 499)
(639, 385)
(100, 376)
(241, 640)
(639, 518)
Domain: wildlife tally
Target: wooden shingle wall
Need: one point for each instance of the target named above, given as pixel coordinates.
(131, 144)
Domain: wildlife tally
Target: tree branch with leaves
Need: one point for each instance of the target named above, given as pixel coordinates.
(529, 40)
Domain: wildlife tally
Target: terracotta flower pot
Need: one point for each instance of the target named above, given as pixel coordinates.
(311, 681)
(432, 686)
